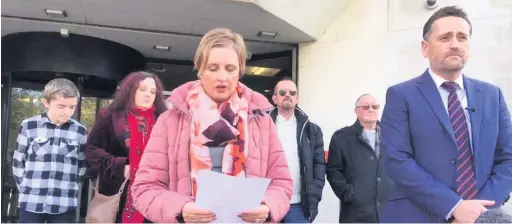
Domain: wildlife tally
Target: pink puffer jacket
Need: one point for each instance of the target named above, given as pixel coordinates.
(163, 185)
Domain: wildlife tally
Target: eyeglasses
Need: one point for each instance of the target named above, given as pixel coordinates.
(367, 107)
(282, 92)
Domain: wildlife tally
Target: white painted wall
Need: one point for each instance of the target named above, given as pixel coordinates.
(375, 44)
(311, 16)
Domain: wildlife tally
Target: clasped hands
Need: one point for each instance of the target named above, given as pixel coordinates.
(193, 214)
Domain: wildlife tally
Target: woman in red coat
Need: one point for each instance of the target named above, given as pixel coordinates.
(116, 142)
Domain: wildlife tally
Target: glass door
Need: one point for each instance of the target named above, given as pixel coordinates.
(24, 103)
(21, 98)
(90, 107)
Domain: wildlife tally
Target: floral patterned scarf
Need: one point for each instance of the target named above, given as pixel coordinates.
(217, 125)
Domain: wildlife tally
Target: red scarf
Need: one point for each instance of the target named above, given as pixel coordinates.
(137, 131)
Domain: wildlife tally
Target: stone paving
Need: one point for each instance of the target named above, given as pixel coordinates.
(508, 206)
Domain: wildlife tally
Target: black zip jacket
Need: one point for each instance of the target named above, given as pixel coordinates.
(312, 162)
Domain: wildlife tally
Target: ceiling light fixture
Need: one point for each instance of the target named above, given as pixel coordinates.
(64, 32)
(162, 48)
(261, 71)
(268, 35)
(159, 68)
(55, 13)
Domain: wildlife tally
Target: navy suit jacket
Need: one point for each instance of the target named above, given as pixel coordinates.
(420, 152)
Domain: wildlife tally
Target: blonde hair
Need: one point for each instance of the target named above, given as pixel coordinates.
(220, 37)
(60, 86)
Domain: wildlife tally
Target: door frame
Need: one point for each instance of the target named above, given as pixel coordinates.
(7, 86)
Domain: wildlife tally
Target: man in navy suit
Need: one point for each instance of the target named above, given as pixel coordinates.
(446, 138)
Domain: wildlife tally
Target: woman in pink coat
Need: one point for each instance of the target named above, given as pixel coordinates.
(215, 123)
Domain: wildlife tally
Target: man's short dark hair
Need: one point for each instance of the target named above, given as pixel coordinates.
(285, 78)
(447, 11)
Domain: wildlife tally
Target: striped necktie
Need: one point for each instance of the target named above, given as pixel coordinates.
(466, 180)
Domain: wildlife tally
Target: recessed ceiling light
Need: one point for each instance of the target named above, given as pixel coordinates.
(55, 13)
(264, 34)
(64, 32)
(261, 71)
(162, 48)
(157, 67)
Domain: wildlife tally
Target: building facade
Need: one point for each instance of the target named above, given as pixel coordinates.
(335, 51)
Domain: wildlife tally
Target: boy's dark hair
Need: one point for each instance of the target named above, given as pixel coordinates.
(447, 11)
(285, 78)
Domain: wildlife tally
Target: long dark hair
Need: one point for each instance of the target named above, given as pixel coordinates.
(124, 98)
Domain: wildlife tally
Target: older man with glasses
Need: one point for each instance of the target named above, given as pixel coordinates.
(354, 170)
(302, 142)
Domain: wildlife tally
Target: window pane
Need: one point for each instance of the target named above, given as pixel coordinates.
(88, 115)
(24, 104)
(105, 103)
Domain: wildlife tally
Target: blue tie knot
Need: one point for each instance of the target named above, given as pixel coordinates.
(450, 86)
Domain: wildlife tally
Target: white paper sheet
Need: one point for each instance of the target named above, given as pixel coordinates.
(228, 196)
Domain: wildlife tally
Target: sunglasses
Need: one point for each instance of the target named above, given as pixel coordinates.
(367, 107)
(282, 92)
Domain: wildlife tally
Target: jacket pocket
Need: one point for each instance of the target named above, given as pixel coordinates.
(350, 195)
(69, 150)
(397, 195)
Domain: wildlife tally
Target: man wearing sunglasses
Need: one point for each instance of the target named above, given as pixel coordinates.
(303, 145)
(354, 168)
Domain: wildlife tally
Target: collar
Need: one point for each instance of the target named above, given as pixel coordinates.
(438, 80)
(144, 112)
(359, 128)
(280, 118)
(45, 119)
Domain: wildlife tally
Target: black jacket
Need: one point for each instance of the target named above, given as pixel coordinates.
(356, 175)
(312, 162)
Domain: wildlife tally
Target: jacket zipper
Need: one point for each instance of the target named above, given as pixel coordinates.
(188, 162)
(304, 170)
(191, 188)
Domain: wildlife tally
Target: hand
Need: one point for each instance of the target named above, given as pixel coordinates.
(469, 210)
(258, 215)
(127, 171)
(193, 214)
